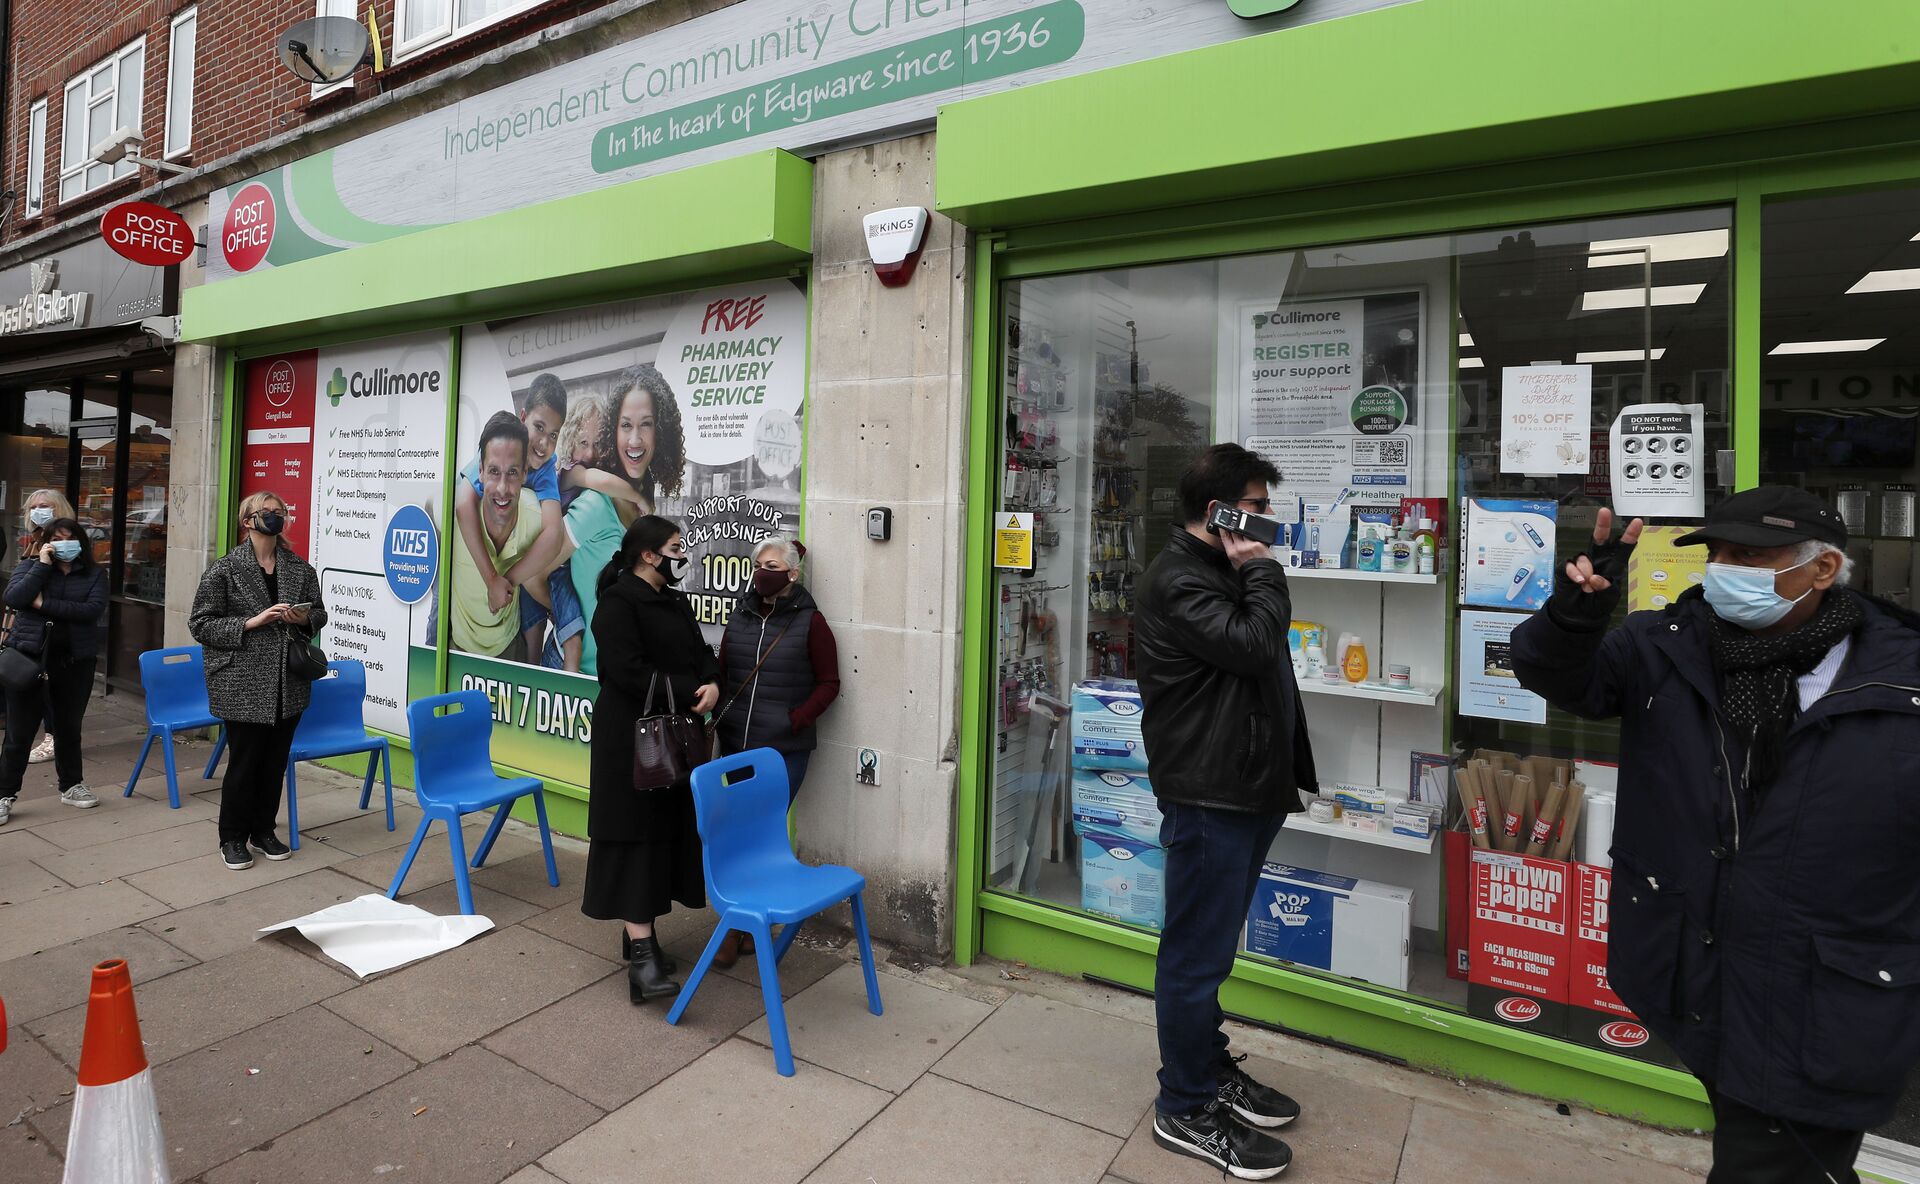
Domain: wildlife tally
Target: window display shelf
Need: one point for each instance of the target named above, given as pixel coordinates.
(1416, 696)
(1347, 573)
(1301, 824)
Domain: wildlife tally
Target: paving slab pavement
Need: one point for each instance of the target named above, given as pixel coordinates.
(519, 1058)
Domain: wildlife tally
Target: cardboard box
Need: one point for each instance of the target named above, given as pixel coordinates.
(1123, 878)
(1596, 1017)
(1519, 943)
(1105, 727)
(1357, 928)
(1115, 802)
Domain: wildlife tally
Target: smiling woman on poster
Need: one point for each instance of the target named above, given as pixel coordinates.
(648, 453)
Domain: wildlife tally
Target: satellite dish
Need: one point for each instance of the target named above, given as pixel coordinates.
(325, 49)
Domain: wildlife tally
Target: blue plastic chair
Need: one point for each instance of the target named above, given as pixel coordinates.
(754, 881)
(334, 725)
(175, 683)
(453, 776)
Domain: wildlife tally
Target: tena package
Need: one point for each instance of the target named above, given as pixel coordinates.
(1106, 725)
(1117, 803)
(1123, 878)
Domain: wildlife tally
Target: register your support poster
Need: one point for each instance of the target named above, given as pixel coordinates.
(1328, 391)
(688, 406)
(353, 439)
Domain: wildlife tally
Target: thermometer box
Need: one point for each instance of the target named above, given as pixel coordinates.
(1357, 928)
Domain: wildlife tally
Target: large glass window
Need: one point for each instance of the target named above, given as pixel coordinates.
(104, 100)
(1444, 414)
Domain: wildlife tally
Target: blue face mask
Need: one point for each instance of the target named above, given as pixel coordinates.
(66, 550)
(1745, 596)
(40, 515)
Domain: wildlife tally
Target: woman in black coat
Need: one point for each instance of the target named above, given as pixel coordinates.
(251, 603)
(58, 595)
(644, 845)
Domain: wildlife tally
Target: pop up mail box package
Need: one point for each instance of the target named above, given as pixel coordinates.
(1358, 928)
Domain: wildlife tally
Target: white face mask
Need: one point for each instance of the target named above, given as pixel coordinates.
(40, 515)
(1745, 596)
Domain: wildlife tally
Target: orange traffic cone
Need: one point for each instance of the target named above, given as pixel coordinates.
(114, 1137)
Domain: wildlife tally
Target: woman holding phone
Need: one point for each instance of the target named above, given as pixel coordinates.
(251, 604)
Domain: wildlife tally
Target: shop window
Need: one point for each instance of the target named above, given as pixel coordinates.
(1391, 383)
(180, 55)
(346, 8)
(143, 567)
(37, 159)
(426, 22)
(35, 456)
(1840, 375)
(104, 100)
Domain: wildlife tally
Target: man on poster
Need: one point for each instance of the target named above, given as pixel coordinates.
(510, 521)
(1766, 918)
(1227, 747)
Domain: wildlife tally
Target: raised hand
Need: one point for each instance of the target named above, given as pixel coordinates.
(1581, 571)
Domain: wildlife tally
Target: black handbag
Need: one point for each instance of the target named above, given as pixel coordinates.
(666, 748)
(19, 669)
(305, 660)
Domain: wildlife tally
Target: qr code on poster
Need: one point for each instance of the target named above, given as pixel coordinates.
(1391, 453)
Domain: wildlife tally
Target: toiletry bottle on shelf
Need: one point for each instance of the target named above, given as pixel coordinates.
(1354, 661)
(1367, 551)
(1426, 548)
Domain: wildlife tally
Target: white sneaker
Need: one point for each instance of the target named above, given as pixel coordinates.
(6, 810)
(80, 795)
(42, 752)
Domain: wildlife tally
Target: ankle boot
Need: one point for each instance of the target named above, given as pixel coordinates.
(729, 951)
(646, 978)
(626, 955)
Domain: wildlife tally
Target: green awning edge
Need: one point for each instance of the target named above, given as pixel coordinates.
(680, 229)
(1421, 87)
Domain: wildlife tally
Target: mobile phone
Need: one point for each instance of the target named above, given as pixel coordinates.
(303, 606)
(1254, 526)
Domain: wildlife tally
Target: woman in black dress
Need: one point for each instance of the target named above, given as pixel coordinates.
(644, 845)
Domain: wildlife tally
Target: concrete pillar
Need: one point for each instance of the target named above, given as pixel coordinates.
(886, 426)
(194, 485)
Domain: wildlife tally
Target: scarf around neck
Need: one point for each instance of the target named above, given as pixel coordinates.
(1758, 676)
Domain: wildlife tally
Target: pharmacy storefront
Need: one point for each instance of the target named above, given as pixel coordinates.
(1465, 280)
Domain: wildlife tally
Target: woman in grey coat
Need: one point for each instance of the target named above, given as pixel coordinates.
(251, 602)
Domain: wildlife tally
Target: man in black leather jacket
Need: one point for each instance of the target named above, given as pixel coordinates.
(1228, 755)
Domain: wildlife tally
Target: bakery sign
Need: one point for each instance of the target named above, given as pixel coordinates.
(44, 306)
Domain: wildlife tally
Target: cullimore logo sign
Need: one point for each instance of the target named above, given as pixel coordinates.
(381, 382)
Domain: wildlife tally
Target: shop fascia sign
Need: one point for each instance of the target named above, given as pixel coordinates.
(45, 306)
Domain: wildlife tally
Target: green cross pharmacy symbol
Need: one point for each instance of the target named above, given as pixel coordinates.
(337, 386)
(1254, 8)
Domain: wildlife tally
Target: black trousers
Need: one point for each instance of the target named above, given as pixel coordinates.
(60, 702)
(1750, 1148)
(256, 771)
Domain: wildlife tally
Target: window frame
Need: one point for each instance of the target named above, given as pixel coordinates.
(83, 80)
(449, 27)
(169, 148)
(36, 198)
(325, 8)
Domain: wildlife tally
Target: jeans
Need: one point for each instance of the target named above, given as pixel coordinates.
(1750, 1148)
(797, 763)
(61, 701)
(256, 771)
(1213, 868)
(569, 618)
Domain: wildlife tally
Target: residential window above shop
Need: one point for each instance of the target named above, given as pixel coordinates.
(180, 53)
(423, 23)
(99, 102)
(37, 159)
(346, 8)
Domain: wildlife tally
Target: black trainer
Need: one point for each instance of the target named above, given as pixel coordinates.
(1216, 1136)
(1251, 1102)
(235, 856)
(270, 846)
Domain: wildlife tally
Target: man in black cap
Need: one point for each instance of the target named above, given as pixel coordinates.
(1766, 905)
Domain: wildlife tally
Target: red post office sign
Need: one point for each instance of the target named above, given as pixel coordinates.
(147, 233)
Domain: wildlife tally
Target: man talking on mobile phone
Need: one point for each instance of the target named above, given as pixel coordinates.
(1765, 911)
(1227, 746)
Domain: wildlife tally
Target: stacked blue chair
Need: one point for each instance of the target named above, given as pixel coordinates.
(175, 683)
(754, 881)
(453, 776)
(334, 724)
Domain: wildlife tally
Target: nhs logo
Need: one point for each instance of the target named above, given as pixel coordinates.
(413, 544)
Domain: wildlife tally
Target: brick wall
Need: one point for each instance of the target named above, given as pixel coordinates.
(242, 95)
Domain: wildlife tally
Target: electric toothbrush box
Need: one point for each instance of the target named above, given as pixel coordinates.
(1105, 725)
(1324, 527)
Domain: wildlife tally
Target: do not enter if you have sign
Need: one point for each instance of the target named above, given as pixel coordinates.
(1013, 542)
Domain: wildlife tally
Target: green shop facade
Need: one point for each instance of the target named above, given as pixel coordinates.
(1410, 213)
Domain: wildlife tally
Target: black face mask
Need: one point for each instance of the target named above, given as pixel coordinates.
(270, 522)
(671, 568)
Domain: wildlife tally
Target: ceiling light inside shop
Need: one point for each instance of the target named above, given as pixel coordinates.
(1665, 248)
(1466, 341)
(1904, 280)
(1471, 363)
(1595, 356)
(1613, 298)
(1854, 346)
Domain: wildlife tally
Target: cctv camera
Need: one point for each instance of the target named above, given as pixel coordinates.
(121, 144)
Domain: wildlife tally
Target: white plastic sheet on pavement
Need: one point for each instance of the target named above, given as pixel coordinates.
(371, 933)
